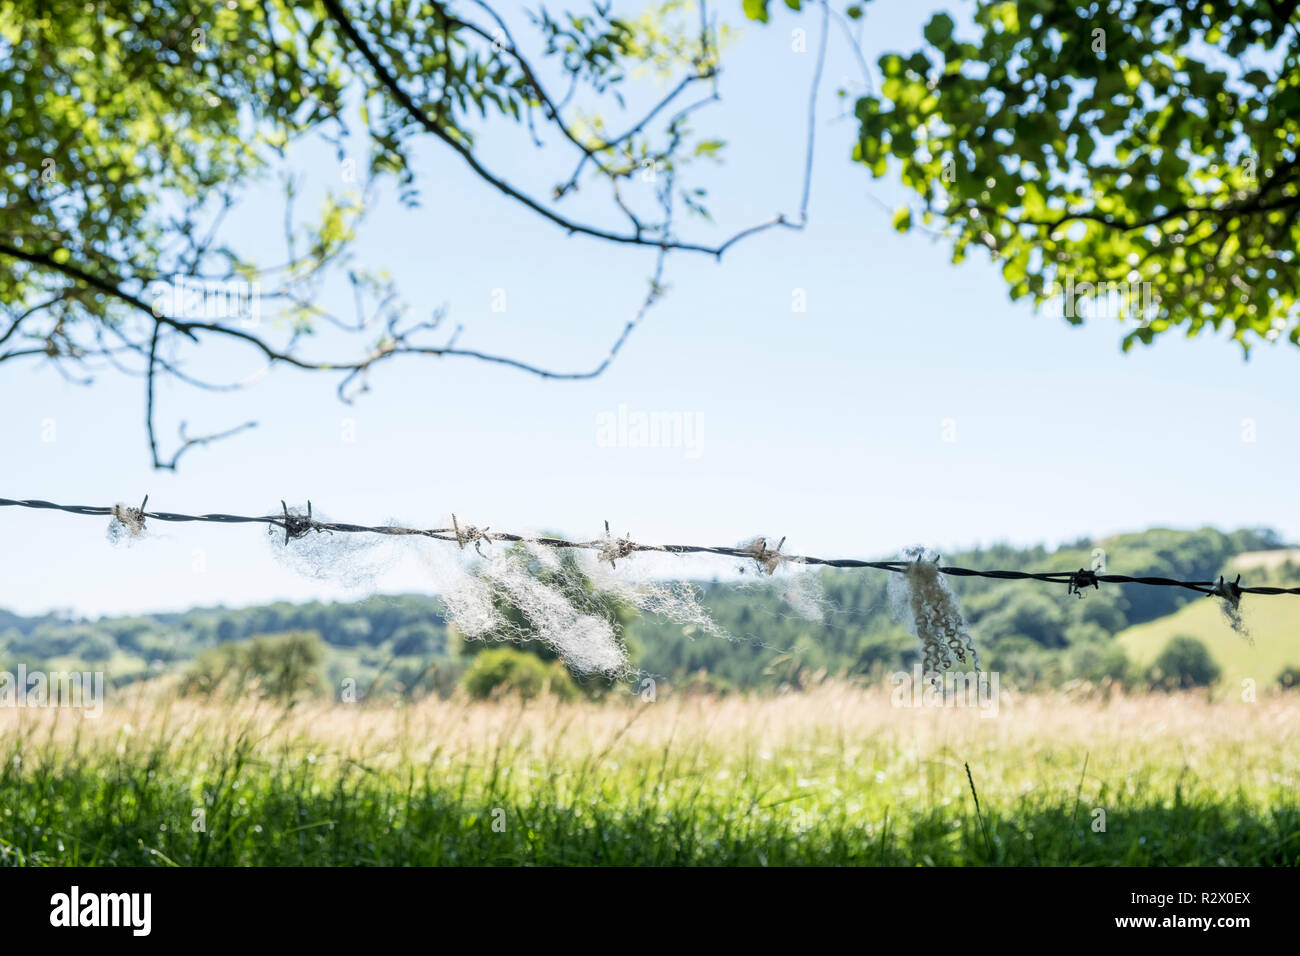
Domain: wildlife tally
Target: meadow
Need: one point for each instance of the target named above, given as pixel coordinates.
(835, 775)
(1269, 646)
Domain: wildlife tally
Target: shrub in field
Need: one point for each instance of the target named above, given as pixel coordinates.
(416, 681)
(504, 670)
(1185, 662)
(1097, 661)
(282, 666)
(419, 640)
(1025, 662)
(1289, 678)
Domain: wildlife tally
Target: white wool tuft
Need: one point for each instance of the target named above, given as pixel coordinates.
(805, 594)
(586, 642)
(470, 608)
(926, 604)
(567, 598)
(679, 601)
(127, 524)
(355, 561)
(797, 585)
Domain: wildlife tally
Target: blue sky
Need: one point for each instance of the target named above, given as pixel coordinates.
(910, 402)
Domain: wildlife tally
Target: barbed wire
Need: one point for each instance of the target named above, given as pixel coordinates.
(297, 524)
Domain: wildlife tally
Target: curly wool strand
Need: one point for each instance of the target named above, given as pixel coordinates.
(931, 610)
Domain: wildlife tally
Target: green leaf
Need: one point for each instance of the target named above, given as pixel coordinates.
(903, 219)
(939, 30)
(756, 10)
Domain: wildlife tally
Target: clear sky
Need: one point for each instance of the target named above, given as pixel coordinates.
(910, 403)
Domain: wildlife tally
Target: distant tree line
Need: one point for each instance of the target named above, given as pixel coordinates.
(1030, 632)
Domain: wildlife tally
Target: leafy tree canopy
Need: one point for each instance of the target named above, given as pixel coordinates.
(131, 130)
(1149, 145)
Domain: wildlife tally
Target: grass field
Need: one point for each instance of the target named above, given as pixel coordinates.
(1274, 641)
(834, 776)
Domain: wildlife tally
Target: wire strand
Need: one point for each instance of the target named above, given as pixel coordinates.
(296, 525)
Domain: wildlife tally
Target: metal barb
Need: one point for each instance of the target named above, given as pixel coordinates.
(1230, 591)
(295, 526)
(1081, 579)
